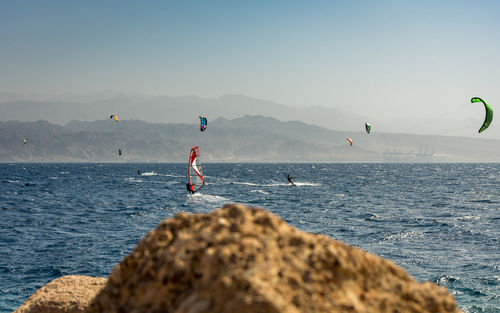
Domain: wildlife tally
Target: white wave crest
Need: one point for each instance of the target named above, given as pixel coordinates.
(260, 191)
(307, 184)
(245, 183)
(149, 174)
(277, 184)
(403, 235)
(171, 175)
(208, 198)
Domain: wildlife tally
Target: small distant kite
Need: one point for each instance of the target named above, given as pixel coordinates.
(119, 151)
(350, 140)
(203, 123)
(24, 140)
(368, 127)
(489, 113)
(115, 117)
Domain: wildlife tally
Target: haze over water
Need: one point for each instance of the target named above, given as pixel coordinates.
(399, 63)
(437, 221)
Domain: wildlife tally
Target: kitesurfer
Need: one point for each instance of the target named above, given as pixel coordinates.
(138, 172)
(290, 179)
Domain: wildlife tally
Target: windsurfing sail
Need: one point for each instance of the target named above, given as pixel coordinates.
(489, 113)
(203, 123)
(195, 173)
(368, 127)
(114, 117)
(350, 140)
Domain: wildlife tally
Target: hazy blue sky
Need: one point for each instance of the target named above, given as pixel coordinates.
(382, 58)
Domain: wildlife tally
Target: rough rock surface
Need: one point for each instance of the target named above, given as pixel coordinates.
(63, 295)
(239, 259)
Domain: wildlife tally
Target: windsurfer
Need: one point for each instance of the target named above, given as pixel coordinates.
(195, 174)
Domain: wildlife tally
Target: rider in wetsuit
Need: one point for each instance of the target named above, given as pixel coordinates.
(290, 179)
(189, 188)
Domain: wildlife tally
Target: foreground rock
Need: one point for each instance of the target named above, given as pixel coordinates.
(65, 294)
(238, 259)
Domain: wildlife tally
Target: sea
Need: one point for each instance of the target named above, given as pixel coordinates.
(440, 222)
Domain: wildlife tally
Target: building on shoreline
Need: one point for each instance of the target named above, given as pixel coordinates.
(424, 155)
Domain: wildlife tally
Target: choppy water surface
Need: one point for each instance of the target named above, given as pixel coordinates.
(441, 222)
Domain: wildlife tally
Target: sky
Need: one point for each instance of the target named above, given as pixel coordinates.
(378, 58)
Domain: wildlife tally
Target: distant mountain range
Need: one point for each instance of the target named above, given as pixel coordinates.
(244, 139)
(175, 110)
(186, 109)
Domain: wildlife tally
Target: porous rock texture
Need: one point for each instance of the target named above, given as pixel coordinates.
(66, 294)
(240, 259)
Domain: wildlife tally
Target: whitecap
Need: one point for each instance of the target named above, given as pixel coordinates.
(149, 174)
(467, 217)
(245, 183)
(276, 185)
(171, 175)
(207, 198)
(445, 280)
(133, 179)
(403, 235)
(307, 184)
(260, 191)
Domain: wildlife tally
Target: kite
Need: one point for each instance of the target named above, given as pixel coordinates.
(489, 113)
(203, 123)
(368, 127)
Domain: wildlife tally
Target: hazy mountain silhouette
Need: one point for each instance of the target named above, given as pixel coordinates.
(174, 110)
(186, 109)
(245, 139)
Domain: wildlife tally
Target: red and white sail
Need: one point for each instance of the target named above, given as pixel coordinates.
(195, 173)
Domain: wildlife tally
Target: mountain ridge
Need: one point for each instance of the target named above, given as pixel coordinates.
(165, 109)
(246, 139)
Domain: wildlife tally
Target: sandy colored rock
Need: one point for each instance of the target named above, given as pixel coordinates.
(66, 294)
(239, 259)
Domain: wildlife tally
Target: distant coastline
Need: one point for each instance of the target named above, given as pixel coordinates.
(250, 139)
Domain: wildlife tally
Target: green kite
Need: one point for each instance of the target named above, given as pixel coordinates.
(489, 113)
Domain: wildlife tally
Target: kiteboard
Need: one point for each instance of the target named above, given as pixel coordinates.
(195, 173)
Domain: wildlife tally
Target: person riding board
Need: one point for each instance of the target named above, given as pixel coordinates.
(189, 188)
(290, 180)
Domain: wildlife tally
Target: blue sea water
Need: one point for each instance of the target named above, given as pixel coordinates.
(440, 222)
